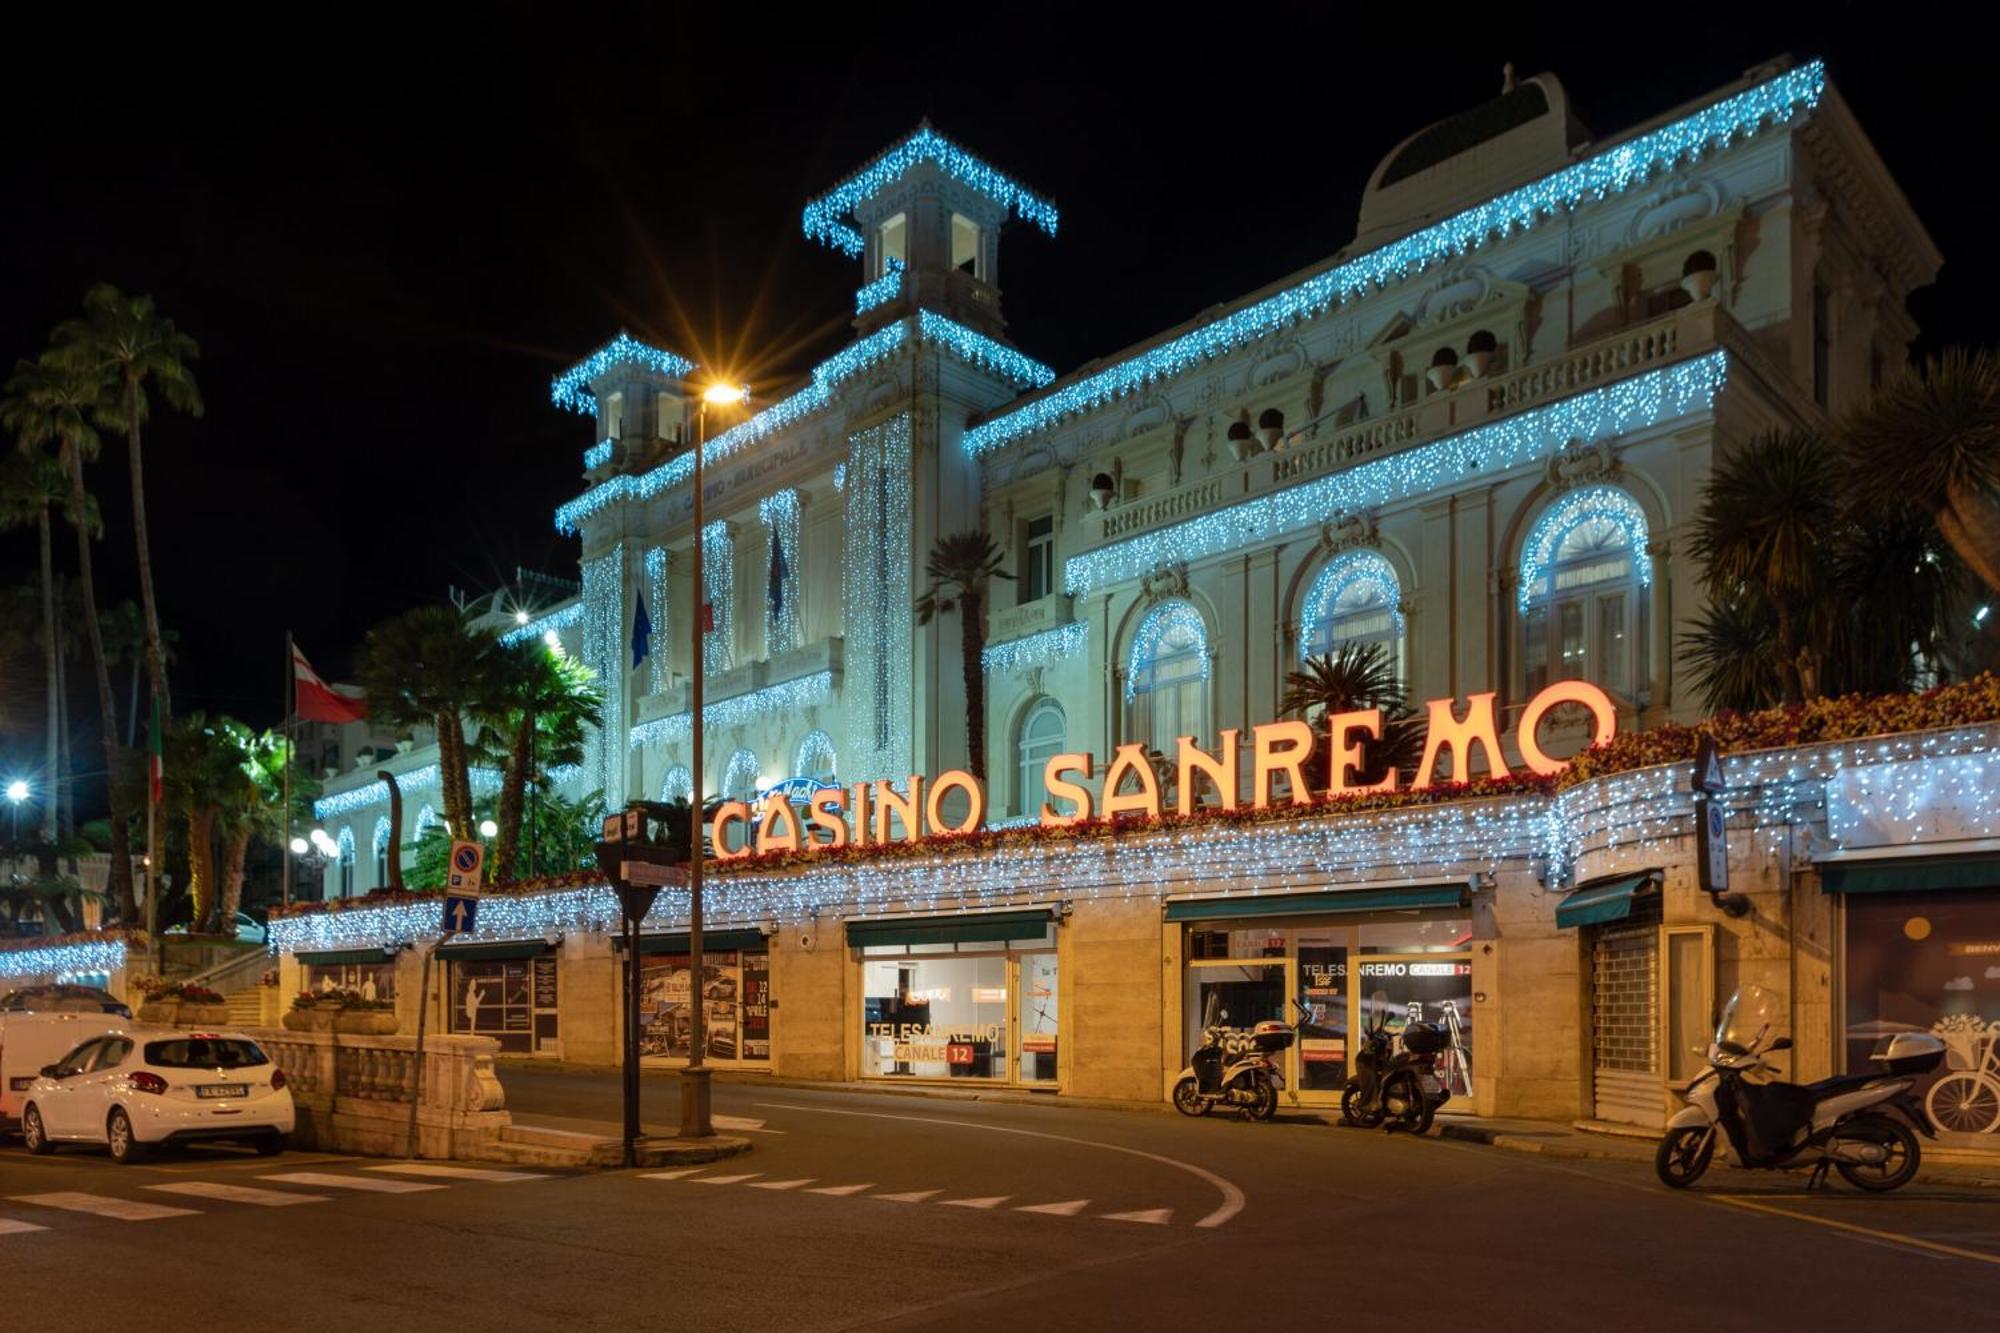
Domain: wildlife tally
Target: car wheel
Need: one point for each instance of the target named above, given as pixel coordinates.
(125, 1146)
(269, 1145)
(33, 1135)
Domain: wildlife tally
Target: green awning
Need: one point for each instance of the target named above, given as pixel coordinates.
(1389, 898)
(949, 929)
(1911, 874)
(1597, 901)
(712, 941)
(489, 951)
(346, 957)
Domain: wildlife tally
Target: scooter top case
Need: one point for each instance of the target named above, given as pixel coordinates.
(1908, 1053)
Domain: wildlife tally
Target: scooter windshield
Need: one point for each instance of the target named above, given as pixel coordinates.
(1752, 1020)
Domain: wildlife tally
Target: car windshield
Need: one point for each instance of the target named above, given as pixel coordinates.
(1752, 1019)
(204, 1053)
(60, 999)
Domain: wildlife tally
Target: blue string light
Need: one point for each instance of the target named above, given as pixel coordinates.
(604, 654)
(373, 791)
(1171, 617)
(825, 216)
(1591, 504)
(877, 598)
(1610, 172)
(814, 757)
(718, 576)
(787, 697)
(976, 349)
(597, 455)
(660, 601)
(780, 512)
(884, 288)
(64, 961)
(571, 389)
(559, 619)
(1044, 648)
(1351, 570)
(678, 784)
(1615, 409)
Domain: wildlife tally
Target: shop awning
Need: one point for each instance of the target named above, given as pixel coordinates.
(490, 951)
(1387, 898)
(346, 957)
(1597, 901)
(712, 941)
(949, 929)
(1911, 874)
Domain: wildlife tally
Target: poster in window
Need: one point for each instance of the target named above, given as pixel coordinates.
(665, 997)
(756, 1006)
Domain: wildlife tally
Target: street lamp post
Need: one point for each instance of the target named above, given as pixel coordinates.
(17, 792)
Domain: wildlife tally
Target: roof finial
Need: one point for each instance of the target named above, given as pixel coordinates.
(1507, 78)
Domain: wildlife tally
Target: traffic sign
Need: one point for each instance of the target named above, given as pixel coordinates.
(653, 876)
(461, 914)
(463, 873)
(1712, 839)
(1708, 767)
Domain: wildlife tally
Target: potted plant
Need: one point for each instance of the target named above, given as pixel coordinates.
(1479, 350)
(311, 1013)
(1444, 369)
(1698, 275)
(360, 1016)
(180, 1004)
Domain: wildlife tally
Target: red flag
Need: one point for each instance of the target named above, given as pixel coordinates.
(316, 701)
(708, 617)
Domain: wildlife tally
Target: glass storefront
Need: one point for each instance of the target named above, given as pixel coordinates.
(512, 1000)
(374, 981)
(1408, 967)
(937, 1007)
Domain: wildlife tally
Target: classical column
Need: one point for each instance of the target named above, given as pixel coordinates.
(1659, 634)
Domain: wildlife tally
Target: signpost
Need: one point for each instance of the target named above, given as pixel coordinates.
(1711, 829)
(464, 871)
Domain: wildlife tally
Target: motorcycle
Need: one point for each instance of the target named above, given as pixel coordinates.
(1234, 1067)
(1839, 1122)
(1397, 1089)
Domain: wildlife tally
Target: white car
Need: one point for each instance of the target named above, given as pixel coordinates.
(137, 1086)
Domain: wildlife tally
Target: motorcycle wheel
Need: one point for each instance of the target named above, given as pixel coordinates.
(1188, 1099)
(1683, 1155)
(1404, 1105)
(1358, 1111)
(1266, 1104)
(1892, 1134)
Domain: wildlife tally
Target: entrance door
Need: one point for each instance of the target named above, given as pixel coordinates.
(1239, 995)
(1625, 1025)
(1035, 1019)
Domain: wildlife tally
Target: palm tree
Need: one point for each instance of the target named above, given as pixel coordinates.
(1766, 514)
(960, 568)
(205, 779)
(1931, 438)
(430, 668)
(1732, 649)
(545, 706)
(31, 485)
(1354, 677)
(259, 810)
(54, 401)
(124, 336)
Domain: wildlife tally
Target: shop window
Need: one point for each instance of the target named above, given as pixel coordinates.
(512, 1000)
(1583, 575)
(1044, 733)
(815, 758)
(965, 249)
(1038, 559)
(373, 981)
(1355, 600)
(1166, 677)
(892, 242)
(346, 862)
(984, 1010)
(736, 999)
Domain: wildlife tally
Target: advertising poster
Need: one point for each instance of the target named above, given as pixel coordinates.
(756, 1006)
(664, 998)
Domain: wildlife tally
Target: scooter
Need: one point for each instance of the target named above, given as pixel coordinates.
(1235, 1067)
(1399, 1090)
(1839, 1122)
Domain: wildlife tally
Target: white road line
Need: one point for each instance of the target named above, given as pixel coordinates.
(373, 1184)
(914, 1196)
(782, 1184)
(124, 1210)
(10, 1227)
(726, 1180)
(1069, 1209)
(674, 1175)
(1156, 1216)
(739, 1124)
(994, 1202)
(842, 1189)
(1232, 1196)
(458, 1172)
(213, 1189)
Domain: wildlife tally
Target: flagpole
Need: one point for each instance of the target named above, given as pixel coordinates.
(286, 696)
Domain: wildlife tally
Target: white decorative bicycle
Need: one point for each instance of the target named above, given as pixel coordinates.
(1967, 1101)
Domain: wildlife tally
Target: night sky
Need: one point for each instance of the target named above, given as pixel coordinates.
(388, 231)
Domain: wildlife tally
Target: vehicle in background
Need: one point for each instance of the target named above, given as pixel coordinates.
(247, 929)
(62, 998)
(141, 1086)
(31, 1038)
(1398, 1089)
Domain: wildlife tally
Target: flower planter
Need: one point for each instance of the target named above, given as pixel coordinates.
(204, 1015)
(309, 1020)
(366, 1022)
(164, 1012)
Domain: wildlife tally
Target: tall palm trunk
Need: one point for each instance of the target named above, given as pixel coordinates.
(51, 669)
(235, 854)
(972, 647)
(156, 659)
(395, 858)
(513, 789)
(1970, 522)
(119, 880)
(201, 863)
(454, 782)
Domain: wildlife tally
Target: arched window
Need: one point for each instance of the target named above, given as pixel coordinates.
(815, 758)
(1355, 599)
(427, 818)
(381, 848)
(1166, 676)
(739, 777)
(1044, 732)
(677, 785)
(1583, 571)
(346, 848)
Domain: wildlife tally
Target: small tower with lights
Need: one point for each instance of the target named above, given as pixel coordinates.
(924, 219)
(639, 399)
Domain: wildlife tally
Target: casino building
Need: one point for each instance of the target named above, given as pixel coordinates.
(1476, 434)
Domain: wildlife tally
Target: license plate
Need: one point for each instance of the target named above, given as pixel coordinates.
(218, 1090)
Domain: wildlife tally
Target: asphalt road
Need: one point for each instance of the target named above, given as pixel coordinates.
(886, 1211)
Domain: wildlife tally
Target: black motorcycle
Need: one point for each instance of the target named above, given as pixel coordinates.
(1397, 1089)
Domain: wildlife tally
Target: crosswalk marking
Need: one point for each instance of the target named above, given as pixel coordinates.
(458, 1172)
(124, 1210)
(842, 1189)
(782, 1184)
(726, 1180)
(674, 1175)
(210, 1189)
(1068, 1209)
(994, 1202)
(373, 1184)
(1157, 1216)
(914, 1196)
(10, 1227)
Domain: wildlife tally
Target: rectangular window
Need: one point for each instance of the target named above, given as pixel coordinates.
(965, 256)
(511, 1000)
(935, 1016)
(614, 416)
(1535, 649)
(1038, 1018)
(374, 981)
(892, 241)
(667, 416)
(1038, 568)
(1323, 991)
(1569, 619)
(1611, 655)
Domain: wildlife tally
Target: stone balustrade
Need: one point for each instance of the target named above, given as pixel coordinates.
(353, 1092)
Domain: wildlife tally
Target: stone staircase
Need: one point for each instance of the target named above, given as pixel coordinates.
(246, 1006)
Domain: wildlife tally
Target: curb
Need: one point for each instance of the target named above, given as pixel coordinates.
(690, 1152)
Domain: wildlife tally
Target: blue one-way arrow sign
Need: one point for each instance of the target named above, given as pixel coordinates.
(460, 915)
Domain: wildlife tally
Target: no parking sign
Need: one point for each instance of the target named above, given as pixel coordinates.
(467, 860)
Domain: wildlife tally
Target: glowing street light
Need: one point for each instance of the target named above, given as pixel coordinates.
(520, 617)
(299, 846)
(488, 829)
(17, 792)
